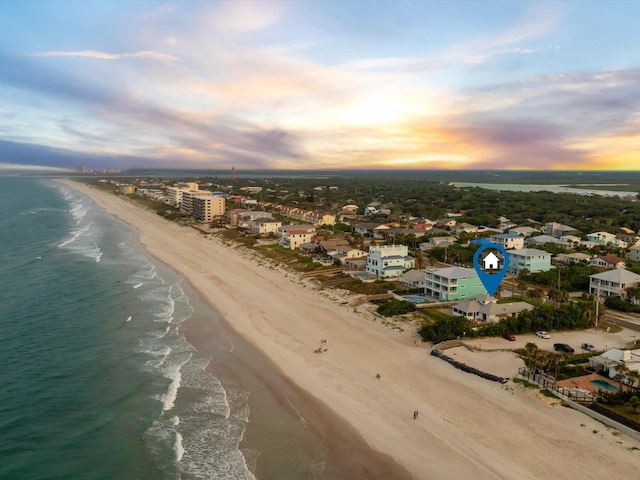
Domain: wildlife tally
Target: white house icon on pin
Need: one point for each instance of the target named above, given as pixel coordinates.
(491, 262)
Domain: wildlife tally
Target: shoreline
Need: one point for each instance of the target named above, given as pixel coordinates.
(467, 428)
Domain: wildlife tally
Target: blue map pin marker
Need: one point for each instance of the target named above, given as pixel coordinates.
(491, 281)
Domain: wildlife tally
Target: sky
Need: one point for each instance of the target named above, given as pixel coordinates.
(321, 85)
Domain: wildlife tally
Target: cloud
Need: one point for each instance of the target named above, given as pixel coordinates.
(107, 56)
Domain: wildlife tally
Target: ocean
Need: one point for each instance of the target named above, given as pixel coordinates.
(97, 379)
(112, 368)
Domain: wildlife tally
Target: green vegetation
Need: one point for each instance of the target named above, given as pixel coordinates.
(617, 303)
(570, 316)
(570, 278)
(445, 329)
(526, 383)
(390, 308)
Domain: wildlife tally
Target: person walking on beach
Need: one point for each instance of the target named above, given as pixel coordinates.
(415, 414)
(378, 376)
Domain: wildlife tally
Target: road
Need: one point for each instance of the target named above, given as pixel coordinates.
(632, 323)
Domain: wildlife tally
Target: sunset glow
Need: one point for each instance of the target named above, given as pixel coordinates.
(435, 85)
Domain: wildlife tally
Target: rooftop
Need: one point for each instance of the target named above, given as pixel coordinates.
(454, 272)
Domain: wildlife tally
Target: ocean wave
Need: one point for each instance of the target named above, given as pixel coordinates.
(178, 448)
(172, 371)
(211, 449)
(77, 233)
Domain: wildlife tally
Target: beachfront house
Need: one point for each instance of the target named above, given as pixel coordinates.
(264, 226)
(293, 236)
(613, 283)
(344, 253)
(246, 217)
(508, 241)
(485, 308)
(452, 283)
(607, 362)
(531, 259)
(389, 261)
(414, 278)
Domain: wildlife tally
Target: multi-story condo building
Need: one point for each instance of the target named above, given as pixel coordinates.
(389, 261)
(292, 236)
(613, 283)
(531, 259)
(186, 206)
(207, 207)
(174, 195)
(452, 283)
(508, 241)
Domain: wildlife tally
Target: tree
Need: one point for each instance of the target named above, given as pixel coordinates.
(522, 286)
(633, 378)
(621, 374)
(634, 403)
(532, 351)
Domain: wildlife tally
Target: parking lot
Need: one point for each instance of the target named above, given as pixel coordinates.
(601, 339)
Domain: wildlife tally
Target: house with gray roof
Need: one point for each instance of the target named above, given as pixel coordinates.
(613, 283)
(484, 308)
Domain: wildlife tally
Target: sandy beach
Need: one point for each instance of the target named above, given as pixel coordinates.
(467, 428)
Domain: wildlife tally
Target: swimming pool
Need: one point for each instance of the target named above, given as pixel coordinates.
(414, 298)
(604, 385)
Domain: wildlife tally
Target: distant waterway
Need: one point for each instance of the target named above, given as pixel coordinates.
(511, 187)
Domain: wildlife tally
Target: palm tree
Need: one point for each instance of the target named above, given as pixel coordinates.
(521, 285)
(633, 378)
(621, 374)
(532, 351)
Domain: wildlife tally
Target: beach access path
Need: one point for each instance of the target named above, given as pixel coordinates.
(467, 428)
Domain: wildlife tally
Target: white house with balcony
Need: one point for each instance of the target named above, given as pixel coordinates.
(292, 236)
(508, 241)
(246, 217)
(606, 238)
(389, 261)
(264, 226)
(613, 283)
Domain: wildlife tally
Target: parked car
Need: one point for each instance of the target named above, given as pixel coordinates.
(542, 334)
(563, 347)
(588, 347)
(510, 337)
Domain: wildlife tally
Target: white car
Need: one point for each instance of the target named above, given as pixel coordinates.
(542, 334)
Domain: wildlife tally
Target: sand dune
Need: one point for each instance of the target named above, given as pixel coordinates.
(467, 427)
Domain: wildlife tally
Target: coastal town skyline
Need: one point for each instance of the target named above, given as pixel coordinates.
(313, 85)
